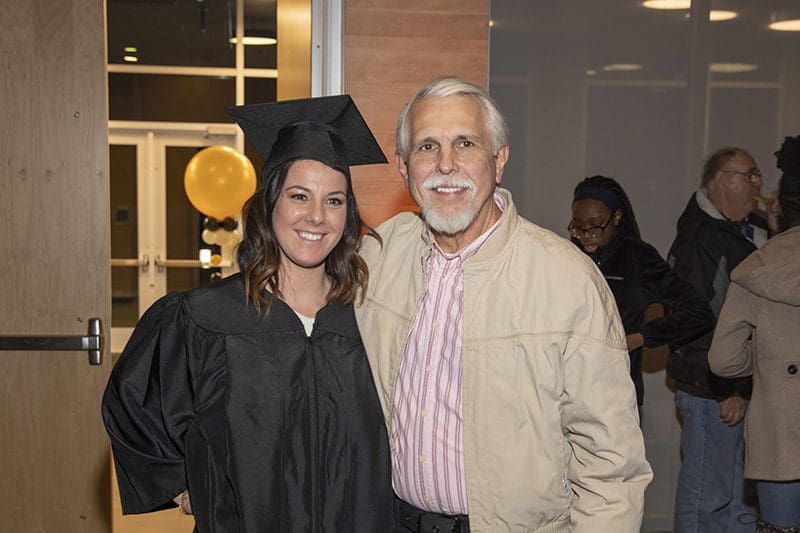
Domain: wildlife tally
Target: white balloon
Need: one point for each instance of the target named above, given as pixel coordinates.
(210, 237)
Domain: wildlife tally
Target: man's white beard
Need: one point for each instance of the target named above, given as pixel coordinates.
(443, 222)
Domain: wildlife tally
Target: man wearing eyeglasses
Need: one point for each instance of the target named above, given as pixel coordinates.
(716, 231)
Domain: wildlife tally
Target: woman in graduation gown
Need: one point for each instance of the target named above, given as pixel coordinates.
(604, 227)
(253, 400)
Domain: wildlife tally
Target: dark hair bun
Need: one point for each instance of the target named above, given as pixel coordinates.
(789, 156)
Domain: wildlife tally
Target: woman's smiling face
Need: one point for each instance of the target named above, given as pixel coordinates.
(310, 214)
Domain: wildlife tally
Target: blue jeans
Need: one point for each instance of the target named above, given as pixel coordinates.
(780, 502)
(710, 492)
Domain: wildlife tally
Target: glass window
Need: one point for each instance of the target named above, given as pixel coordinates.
(623, 41)
(754, 85)
(604, 87)
(261, 22)
(175, 32)
(745, 49)
(730, 125)
(170, 98)
(256, 91)
(634, 136)
(184, 225)
(602, 83)
(124, 236)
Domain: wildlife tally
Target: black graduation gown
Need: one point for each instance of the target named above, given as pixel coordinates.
(269, 429)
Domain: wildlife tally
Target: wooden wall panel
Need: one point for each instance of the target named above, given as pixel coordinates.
(54, 202)
(391, 49)
(294, 49)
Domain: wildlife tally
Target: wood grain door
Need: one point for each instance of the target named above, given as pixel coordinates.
(54, 202)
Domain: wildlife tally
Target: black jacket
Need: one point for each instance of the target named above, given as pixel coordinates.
(705, 251)
(270, 429)
(639, 277)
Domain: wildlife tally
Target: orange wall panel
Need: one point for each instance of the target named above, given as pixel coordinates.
(391, 49)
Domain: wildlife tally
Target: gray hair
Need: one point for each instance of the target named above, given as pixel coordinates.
(452, 86)
(717, 160)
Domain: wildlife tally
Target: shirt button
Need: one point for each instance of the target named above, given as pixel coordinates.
(424, 413)
(791, 370)
(428, 368)
(421, 458)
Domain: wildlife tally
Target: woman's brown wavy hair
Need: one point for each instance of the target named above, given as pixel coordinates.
(259, 254)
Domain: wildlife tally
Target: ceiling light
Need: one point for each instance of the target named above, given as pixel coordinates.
(130, 59)
(785, 25)
(591, 72)
(255, 41)
(667, 4)
(715, 15)
(787, 19)
(622, 67)
(718, 15)
(130, 49)
(732, 68)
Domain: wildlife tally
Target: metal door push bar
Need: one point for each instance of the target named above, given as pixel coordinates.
(92, 342)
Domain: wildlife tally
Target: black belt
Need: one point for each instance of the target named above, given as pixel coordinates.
(419, 520)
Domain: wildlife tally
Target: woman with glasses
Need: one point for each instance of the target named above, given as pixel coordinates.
(604, 227)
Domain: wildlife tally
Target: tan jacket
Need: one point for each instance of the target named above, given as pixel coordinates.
(551, 434)
(758, 333)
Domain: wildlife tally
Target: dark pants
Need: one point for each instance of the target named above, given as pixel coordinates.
(409, 518)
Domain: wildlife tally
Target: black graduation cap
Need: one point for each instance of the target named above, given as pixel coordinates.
(327, 129)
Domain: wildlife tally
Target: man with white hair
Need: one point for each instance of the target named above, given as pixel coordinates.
(496, 346)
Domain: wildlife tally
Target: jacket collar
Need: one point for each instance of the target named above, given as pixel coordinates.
(757, 233)
(707, 206)
(605, 252)
(700, 207)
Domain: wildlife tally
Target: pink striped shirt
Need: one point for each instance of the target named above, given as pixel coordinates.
(427, 423)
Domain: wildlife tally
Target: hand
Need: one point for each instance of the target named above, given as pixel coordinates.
(774, 214)
(731, 410)
(635, 340)
(184, 504)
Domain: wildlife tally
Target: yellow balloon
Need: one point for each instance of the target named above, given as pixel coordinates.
(219, 180)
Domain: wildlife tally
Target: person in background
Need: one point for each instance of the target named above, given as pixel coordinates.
(253, 400)
(758, 334)
(716, 231)
(604, 227)
(498, 352)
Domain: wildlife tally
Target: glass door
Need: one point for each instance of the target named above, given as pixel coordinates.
(156, 233)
